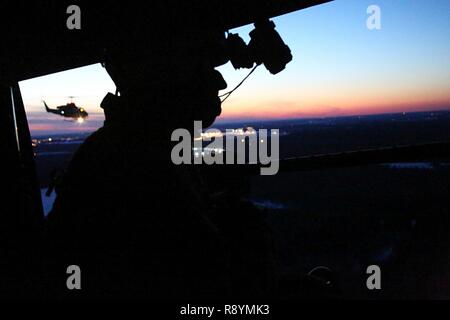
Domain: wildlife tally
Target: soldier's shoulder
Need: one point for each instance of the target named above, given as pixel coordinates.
(101, 138)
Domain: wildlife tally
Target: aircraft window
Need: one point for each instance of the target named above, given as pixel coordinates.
(62, 110)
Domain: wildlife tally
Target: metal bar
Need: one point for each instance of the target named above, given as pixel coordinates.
(406, 153)
(16, 129)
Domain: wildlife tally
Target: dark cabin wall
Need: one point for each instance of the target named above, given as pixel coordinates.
(21, 220)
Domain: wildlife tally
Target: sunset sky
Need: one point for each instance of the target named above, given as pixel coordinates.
(339, 68)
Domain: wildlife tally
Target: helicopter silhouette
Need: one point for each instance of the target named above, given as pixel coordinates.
(69, 110)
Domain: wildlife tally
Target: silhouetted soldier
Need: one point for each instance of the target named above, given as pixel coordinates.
(137, 225)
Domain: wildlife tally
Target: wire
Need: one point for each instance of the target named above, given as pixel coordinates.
(228, 94)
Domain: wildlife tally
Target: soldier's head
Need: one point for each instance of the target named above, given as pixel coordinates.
(172, 80)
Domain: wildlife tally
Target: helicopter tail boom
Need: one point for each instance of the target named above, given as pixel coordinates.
(49, 109)
(46, 107)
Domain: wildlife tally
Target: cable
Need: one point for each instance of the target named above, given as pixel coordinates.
(228, 94)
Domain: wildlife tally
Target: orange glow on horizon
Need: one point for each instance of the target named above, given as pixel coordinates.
(297, 109)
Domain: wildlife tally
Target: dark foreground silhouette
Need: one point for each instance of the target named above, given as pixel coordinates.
(145, 227)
